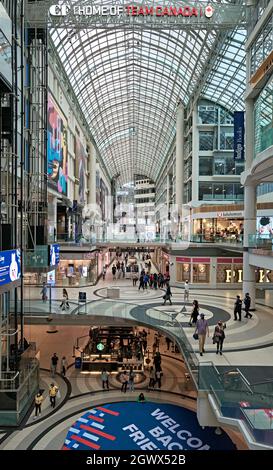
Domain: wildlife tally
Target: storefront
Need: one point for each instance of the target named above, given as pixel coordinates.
(194, 270)
(214, 271)
(81, 268)
(219, 225)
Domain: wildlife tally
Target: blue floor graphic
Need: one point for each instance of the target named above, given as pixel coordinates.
(142, 426)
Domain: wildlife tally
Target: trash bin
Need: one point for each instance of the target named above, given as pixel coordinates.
(78, 363)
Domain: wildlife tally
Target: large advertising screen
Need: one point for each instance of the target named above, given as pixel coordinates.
(56, 148)
(10, 266)
(265, 226)
(81, 162)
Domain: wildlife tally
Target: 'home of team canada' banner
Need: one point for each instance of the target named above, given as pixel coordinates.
(132, 10)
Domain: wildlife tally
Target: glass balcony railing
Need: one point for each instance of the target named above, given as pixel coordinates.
(37, 258)
(261, 244)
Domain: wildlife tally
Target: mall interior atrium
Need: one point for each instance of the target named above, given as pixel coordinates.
(136, 225)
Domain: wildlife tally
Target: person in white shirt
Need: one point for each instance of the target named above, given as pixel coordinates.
(186, 291)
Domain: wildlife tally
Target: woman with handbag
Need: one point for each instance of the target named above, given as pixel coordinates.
(219, 336)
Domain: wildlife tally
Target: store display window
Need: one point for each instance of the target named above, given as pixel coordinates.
(201, 272)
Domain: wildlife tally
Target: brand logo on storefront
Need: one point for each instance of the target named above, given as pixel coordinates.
(237, 275)
(131, 10)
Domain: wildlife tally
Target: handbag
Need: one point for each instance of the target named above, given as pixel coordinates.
(195, 335)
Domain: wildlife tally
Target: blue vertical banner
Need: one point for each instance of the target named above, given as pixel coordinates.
(239, 135)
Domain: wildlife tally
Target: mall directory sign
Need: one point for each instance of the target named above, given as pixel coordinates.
(54, 254)
(10, 266)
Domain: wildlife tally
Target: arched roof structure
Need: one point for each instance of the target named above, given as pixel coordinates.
(129, 80)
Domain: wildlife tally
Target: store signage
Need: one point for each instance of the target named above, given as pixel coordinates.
(131, 10)
(54, 254)
(100, 347)
(230, 214)
(239, 135)
(237, 275)
(10, 266)
(179, 259)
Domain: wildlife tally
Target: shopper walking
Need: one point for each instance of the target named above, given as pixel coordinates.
(104, 273)
(105, 379)
(124, 381)
(158, 375)
(151, 378)
(194, 313)
(44, 292)
(247, 302)
(131, 381)
(219, 336)
(64, 366)
(202, 328)
(53, 390)
(135, 278)
(167, 295)
(54, 362)
(186, 291)
(238, 308)
(64, 305)
(114, 270)
(38, 403)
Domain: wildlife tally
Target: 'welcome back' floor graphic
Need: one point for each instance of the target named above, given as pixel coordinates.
(142, 426)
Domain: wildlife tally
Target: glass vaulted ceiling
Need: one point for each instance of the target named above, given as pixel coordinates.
(129, 81)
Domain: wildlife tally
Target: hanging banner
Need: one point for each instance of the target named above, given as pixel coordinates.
(239, 135)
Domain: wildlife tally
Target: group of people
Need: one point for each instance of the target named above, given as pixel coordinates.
(154, 281)
(38, 400)
(54, 365)
(202, 328)
(118, 270)
(64, 304)
(128, 379)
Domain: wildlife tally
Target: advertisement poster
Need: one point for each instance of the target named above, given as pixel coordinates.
(10, 266)
(56, 148)
(54, 255)
(51, 278)
(81, 162)
(265, 226)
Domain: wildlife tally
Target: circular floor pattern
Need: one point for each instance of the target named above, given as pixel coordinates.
(131, 293)
(142, 426)
(144, 313)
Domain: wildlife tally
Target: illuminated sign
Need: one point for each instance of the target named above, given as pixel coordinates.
(131, 10)
(100, 347)
(237, 275)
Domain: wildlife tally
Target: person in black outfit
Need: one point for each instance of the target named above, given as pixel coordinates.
(194, 313)
(238, 308)
(247, 302)
(168, 295)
